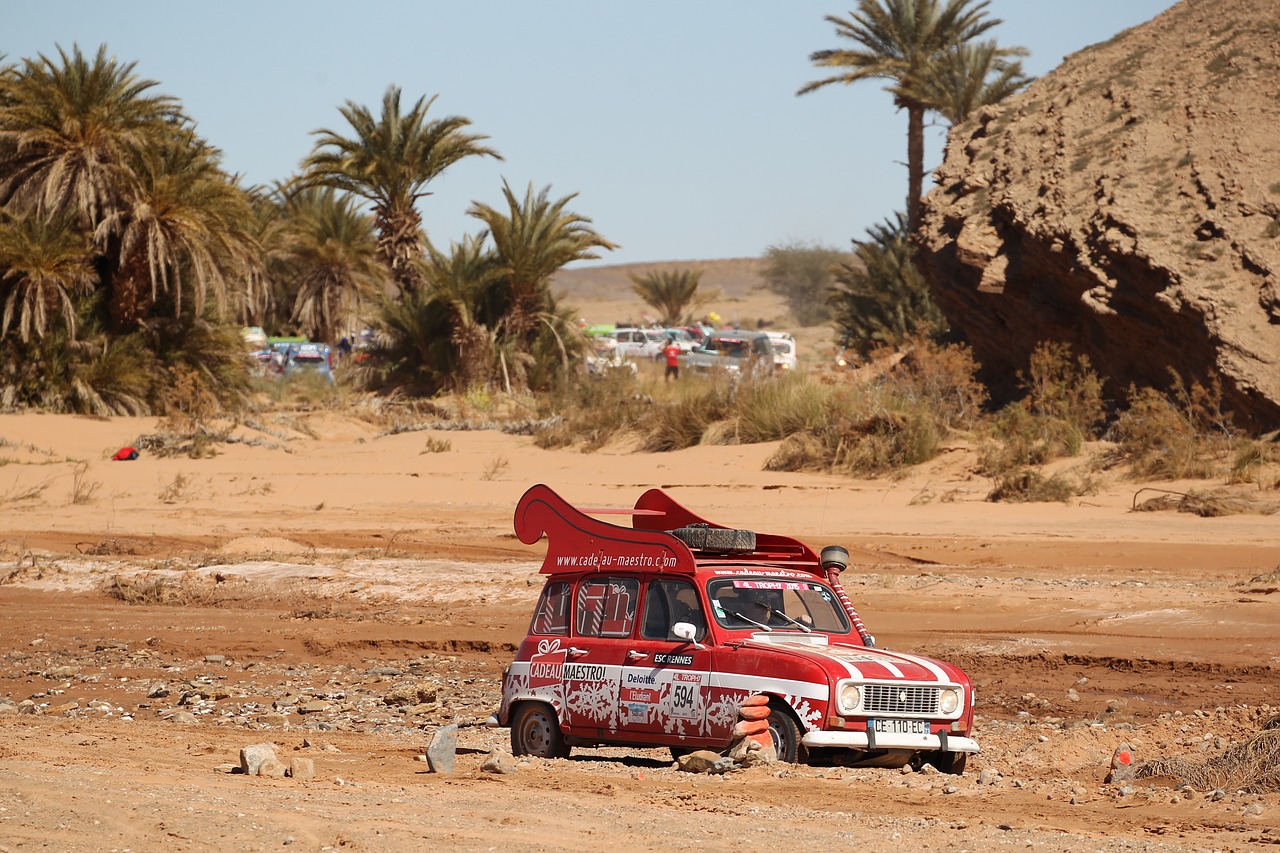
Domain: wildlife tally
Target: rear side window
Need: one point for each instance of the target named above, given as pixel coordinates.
(607, 607)
(552, 615)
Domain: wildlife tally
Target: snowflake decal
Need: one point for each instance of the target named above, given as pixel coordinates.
(674, 725)
(513, 687)
(723, 713)
(809, 716)
(595, 701)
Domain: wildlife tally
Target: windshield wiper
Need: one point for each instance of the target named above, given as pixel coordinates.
(796, 622)
(748, 619)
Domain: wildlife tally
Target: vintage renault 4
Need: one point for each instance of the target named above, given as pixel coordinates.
(653, 636)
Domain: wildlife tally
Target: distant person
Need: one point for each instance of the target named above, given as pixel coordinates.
(344, 348)
(672, 353)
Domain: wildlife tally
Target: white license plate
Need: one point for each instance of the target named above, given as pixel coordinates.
(902, 727)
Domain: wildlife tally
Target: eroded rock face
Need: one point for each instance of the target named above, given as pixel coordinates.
(1128, 203)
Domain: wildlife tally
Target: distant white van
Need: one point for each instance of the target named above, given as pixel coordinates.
(784, 350)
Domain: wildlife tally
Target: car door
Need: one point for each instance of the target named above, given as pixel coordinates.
(604, 621)
(665, 680)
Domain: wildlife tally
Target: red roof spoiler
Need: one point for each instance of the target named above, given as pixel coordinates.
(578, 542)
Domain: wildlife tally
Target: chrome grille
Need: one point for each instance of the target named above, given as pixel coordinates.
(892, 699)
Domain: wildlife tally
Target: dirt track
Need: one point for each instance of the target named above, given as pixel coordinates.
(1176, 661)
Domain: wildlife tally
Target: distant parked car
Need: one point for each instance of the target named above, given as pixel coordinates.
(784, 349)
(310, 358)
(639, 343)
(735, 352)
(683, 339)
(606, 359)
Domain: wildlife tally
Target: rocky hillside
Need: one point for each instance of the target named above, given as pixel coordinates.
(1129, 204)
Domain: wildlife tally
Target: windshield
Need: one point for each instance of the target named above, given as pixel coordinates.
(762, 603)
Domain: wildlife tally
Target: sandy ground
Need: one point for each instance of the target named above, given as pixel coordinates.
(342, 593)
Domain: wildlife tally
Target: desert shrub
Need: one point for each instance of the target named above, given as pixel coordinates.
(1064, 390)
(1029, 485)
(592, 412)
(894, 422)
(805, 451)
(1252, 766)
(153, 588)
(436, 445)
(1180, 435)
(1249, 461)
(1018, 439)
(881, 298)
(1063, 408)
(939, 378)
(774, 409)
(871, 445)
(802, 274)
(681, 422)
(891, 441)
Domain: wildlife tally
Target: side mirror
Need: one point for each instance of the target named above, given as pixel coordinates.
(688, 632)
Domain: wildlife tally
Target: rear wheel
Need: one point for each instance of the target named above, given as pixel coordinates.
(536, 731)
(786, 736)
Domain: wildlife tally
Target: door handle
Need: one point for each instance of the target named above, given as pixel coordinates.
(576, 652)
(634, 655)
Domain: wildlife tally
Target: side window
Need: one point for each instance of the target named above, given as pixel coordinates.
(668, 602)
(552, 615)
(607, 607)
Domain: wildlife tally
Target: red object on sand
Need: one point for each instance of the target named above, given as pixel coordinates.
(125, 454)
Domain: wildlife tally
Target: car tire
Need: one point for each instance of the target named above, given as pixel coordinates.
(719, 539)
(948, 762)
(785, 734)
(535, 731)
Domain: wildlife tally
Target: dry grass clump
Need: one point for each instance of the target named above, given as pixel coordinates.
(681, 422)
(150, 588)
(1063, 408)
(593, 413)
(1252, 767)
(1183, 435)
(897, 420)
(1029, 485)
(1206, 504)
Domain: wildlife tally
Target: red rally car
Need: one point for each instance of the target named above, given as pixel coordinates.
(653, 635)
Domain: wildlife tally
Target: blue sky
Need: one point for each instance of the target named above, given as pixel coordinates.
(675, 121)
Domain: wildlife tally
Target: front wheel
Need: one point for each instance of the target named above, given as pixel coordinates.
(947, 762)
(536, 731)
(786, 736)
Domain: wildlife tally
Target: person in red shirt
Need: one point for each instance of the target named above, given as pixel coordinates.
(672, 353)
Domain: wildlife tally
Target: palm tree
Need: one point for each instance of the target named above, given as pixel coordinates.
(970, 76)
(69, 134)
(902, 41)
(327, 250)
(44, 268)
(184, 226)
(672, 293)
(389, 161)
(883, 299)
(534, 238)
(463, 280)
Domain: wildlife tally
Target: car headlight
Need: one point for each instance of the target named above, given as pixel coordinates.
(949, 701)
(850, 696)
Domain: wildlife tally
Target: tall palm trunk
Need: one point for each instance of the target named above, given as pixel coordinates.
(915, 163)
(130, 293)
(399, 245)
